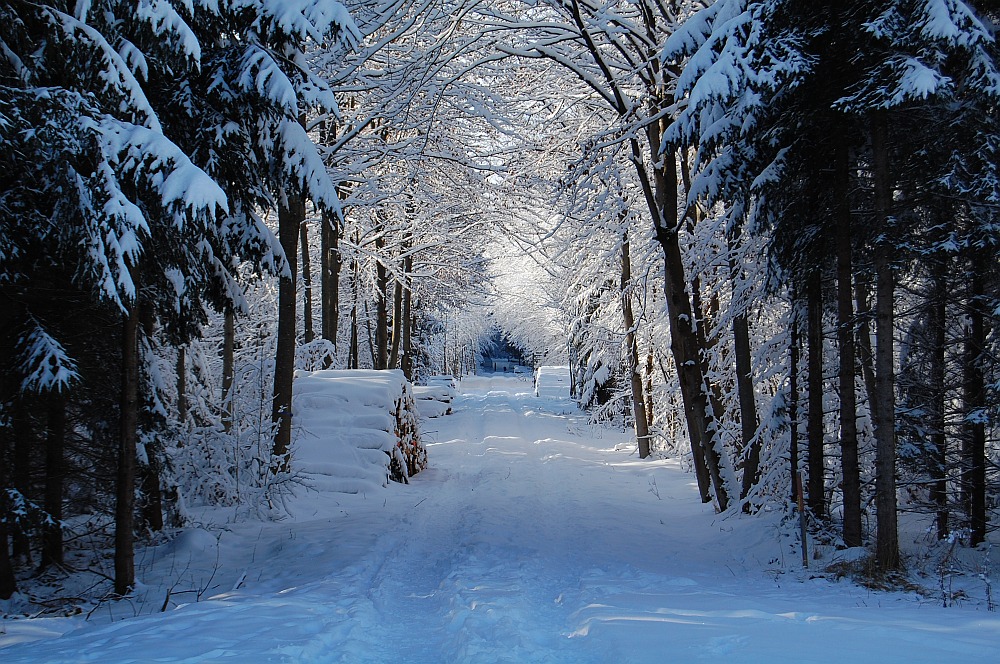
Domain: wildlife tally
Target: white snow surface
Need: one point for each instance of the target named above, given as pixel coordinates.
(532, 537)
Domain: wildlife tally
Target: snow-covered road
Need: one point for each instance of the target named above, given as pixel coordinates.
(532, 537)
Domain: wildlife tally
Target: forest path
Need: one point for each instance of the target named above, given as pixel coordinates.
(532, 537)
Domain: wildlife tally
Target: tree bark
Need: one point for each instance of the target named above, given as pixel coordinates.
(793, 405)
(939, 441)
(307, 295)
(649, 386)
(55, 445)
(23, 441)
(814, 426)
(974, 445)
(407, 317)
(864, 341)
(290, 217)
(748, 406)
(127, 439)
(330, 264)
(182, 403)
(381, 359)
(397, 324)
(228, 368)
(851, 477)
(8, 582)
(632, 354)
(886, 533)
(661, 198)
(354, 349)
(744, 382)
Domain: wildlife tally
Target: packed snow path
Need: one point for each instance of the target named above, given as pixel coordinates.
(533, 537)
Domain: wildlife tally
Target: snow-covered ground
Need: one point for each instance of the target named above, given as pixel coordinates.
(532, 537)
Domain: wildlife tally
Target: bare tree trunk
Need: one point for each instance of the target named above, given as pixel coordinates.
(632, 354)
(354, 349)
(330, 264)
(814, 426)
(381, 359)
(793, 403)
(851, 476)
(8, 582)
(661, 197)
(22, 474)
(939, 441)
(182, 404)
(744, 381)
(974, 445)
(649, 386)
(55, 445)
(864, 341)
(397, 324)
(307, 295)
(290, 217)
(127, 439)
(407, 318)
(887, 533)
(228, 368)
(748, 406)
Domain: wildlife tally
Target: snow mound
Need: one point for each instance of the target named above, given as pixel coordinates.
(356, 430)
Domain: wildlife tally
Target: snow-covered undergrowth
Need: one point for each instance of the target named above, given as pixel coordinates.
(533, 536)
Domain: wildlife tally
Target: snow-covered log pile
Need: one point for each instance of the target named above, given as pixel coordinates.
(435, 398)
(356, 430)
(552, 382)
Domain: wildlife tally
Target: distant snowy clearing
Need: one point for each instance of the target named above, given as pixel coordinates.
(533, 536)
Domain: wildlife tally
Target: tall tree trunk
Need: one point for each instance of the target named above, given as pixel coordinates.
(407, 317)
(381, 359)
(864, 341)
(793, 403)
(814, 426)
(851, 476)
(182, 402)
(307, 295)
(661, 197)
(887, 533)
(23, 440)
(354, 349)
(632, 354)
(8, 582)
(127, 439)
(55, 445)
(330, 263)
(397, 324)
(649, 386)
(744, 380)
(290, 217)
(228, 368)
(748, 405)
(939, 441)
(8, 436)
(974, 445)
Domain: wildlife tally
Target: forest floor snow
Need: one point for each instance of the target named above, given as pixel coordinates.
(532, 537)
